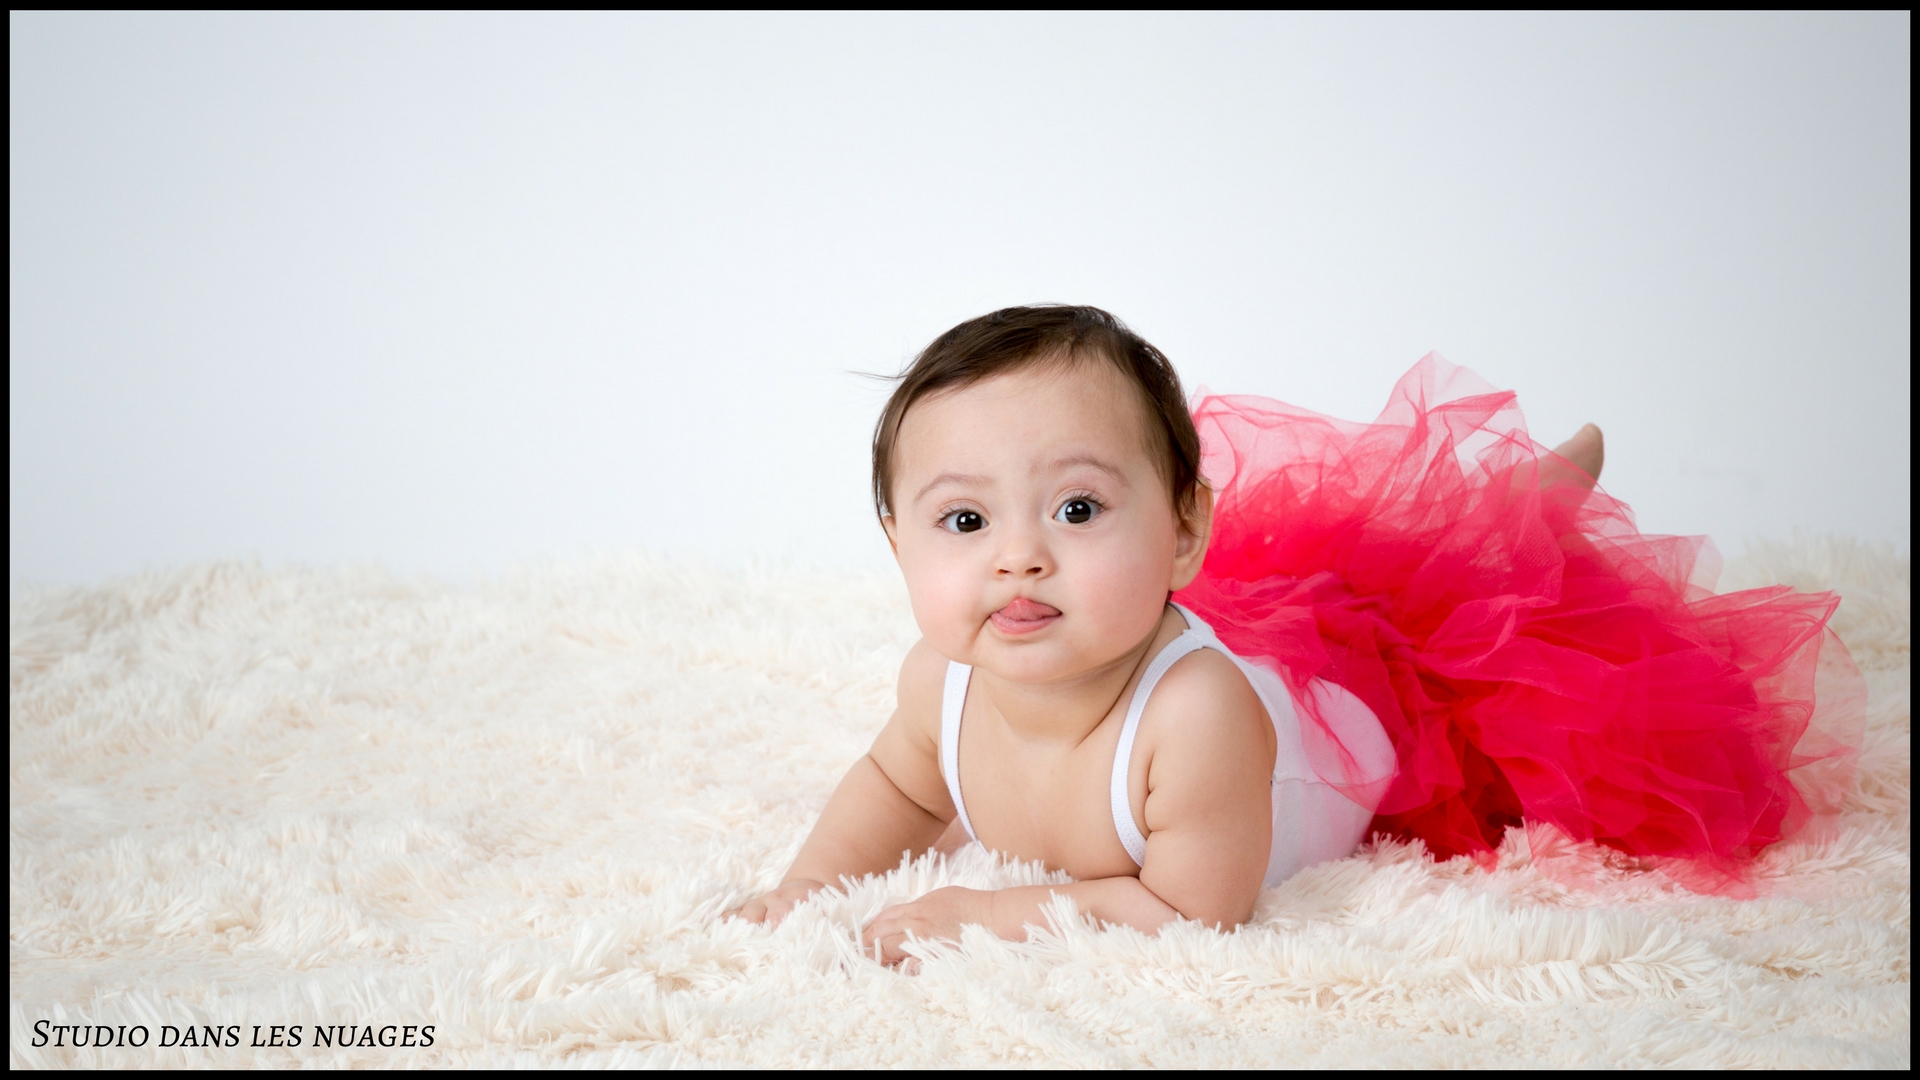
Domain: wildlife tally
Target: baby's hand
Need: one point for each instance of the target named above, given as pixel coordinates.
(774, 907)
(939, 914)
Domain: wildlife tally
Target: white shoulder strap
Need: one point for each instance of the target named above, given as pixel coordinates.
(951, 704)
(1130, 836)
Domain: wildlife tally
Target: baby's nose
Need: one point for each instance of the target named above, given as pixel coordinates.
(1021, 551)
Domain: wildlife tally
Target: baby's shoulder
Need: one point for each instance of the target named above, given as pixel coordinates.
(922, 686)
(1207, 700)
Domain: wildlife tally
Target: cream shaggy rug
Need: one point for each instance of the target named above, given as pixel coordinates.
(513, 812)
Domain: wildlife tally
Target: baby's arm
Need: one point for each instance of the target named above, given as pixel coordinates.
(1207, 747)
(892, 801)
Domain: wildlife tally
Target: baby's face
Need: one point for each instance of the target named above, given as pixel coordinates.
(1038, 539)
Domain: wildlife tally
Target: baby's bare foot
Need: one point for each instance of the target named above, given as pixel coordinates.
(1586, 451)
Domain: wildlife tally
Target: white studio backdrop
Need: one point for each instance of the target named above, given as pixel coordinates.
(448, 292)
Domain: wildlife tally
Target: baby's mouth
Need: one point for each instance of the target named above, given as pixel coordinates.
(1023, 616)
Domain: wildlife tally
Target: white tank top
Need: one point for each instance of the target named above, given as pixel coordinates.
(1312, 821)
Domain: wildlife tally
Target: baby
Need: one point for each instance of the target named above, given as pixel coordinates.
(1037, 475)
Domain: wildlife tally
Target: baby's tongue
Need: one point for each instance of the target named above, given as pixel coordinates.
(1025, 610)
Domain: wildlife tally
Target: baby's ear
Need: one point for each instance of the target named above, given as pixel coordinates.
(1196, 525)
(1196, 519)
(893, 535)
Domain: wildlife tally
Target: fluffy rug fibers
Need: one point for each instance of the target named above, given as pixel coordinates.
(356, 806)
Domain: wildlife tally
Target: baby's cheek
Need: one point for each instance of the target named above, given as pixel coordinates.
(944, 600)
(1123, 586)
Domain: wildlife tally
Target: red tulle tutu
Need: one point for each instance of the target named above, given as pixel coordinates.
(1531, 655)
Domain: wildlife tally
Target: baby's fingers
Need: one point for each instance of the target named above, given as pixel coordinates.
(885, 940)
(883, 936)
(887, 948)
(880, 927)
(778, 909)
(769, 911)
(893, 950)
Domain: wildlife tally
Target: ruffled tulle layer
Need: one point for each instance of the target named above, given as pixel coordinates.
(1531, 654)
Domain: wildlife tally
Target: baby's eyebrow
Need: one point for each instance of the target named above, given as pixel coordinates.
(962, 479)
(1088, 460)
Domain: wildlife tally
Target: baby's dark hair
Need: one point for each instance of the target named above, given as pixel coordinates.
(1016, 337)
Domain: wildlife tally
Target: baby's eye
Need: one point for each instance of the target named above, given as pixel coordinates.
(1076, 511)
(964, 521)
